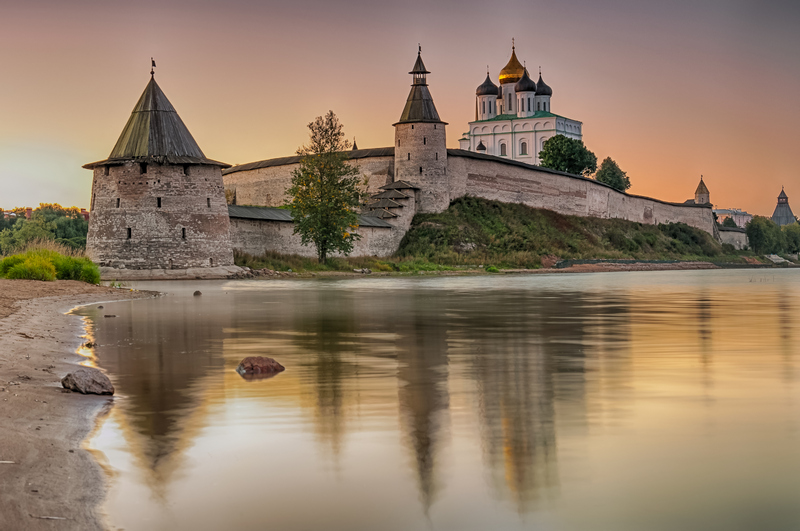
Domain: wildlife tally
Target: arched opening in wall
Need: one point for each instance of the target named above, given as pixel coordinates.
(503, 150)
(142, 167)
(523, 148)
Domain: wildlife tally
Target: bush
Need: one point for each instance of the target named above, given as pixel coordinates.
(34, 267)
(47, 264)
(492, 269)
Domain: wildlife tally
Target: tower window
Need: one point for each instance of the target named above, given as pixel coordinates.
(420, 169)
(142, 167)
(186, 169)
(105, 170)
(437, 156)
(539, 106)
(158, 200)
(208, 202)
(118, 202)
(129, 233)
(412, 126)
(183, 233)
(424, 141)
(434, 126)
(483, 107)
(409, 156)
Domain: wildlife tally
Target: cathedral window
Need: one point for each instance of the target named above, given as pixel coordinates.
(523, 148)
(529, 105)
(483, 107)
(503, 150)
(539, 106)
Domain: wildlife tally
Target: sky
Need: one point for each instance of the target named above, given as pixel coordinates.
(670, 90)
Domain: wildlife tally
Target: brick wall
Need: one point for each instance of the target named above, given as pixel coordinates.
(129, 229)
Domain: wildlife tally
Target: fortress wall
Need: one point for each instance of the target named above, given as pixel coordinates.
(267, 186)
(566, 195)
(191, 199)
(258, 236)
(737, 238)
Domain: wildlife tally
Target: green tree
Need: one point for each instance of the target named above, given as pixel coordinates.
(325, 190)
(791, 238)
(729, 222)
(568, 155)
(611, 174)
(764, 235)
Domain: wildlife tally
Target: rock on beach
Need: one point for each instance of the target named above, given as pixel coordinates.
(88, 381)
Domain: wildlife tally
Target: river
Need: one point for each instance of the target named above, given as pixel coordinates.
(610, 401)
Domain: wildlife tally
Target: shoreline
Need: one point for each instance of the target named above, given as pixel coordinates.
(47, 473)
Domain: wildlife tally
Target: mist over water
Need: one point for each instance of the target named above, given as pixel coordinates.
(616, 401)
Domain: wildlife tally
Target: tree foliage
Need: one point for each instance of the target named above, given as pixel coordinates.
(50, 221)
(729, 223)
(568, 155)
(791, 238)
(611, 174)
(764, 235)
(325, 191)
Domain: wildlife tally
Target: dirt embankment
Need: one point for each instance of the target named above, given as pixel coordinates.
(47, 481)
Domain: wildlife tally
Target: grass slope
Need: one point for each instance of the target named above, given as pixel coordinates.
(476, 231)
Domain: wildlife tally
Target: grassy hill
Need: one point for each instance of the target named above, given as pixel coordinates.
(476, 231)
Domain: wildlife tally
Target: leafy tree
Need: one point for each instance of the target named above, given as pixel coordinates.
(325, 190)
(48, 222)
(729, 222)
(791, 238)
(764, 235)
(568, 155)
(611, 174)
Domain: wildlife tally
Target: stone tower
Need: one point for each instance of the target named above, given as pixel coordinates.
(783, 214)
(701, 195)
(157, 201)
(420, 152)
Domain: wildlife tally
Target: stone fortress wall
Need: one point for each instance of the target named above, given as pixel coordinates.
(152, 216)
(466, 174)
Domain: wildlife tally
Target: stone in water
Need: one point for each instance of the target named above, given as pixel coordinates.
(257, 367)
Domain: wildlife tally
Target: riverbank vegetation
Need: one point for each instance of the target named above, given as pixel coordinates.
(48, 260)
(476, 232)
(51, 221)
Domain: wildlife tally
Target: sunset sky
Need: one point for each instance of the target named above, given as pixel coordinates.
(670, 90)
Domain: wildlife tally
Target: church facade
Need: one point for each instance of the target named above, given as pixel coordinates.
(513, 120)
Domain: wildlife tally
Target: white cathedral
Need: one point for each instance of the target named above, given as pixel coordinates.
(514, 120)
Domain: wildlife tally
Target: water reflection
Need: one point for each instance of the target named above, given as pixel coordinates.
(447, 403)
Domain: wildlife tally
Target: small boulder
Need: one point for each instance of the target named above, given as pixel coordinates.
(256, 367)
(197, 293)
(88, 381)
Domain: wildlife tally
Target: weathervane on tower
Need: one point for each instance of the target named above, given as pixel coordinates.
(152, 67)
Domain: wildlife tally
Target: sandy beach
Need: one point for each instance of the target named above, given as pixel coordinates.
(47, 480)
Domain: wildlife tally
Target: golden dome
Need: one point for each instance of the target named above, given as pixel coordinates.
(513, 71)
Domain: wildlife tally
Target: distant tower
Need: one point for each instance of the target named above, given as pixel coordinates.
(701, 195)
(509, 76)
(783, 214)
(486, 95)
(543, 94)
(157, 201)
(420, 153)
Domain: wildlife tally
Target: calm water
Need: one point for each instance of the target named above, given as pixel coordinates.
(616, 401)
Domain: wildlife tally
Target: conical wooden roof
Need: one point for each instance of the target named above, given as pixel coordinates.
(156, 134)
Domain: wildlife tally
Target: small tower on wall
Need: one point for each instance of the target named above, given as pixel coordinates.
(157, 201)
(701, 195)
(420, 151)
(783, 214)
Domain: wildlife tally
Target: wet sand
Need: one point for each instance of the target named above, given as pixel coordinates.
(47, 480)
